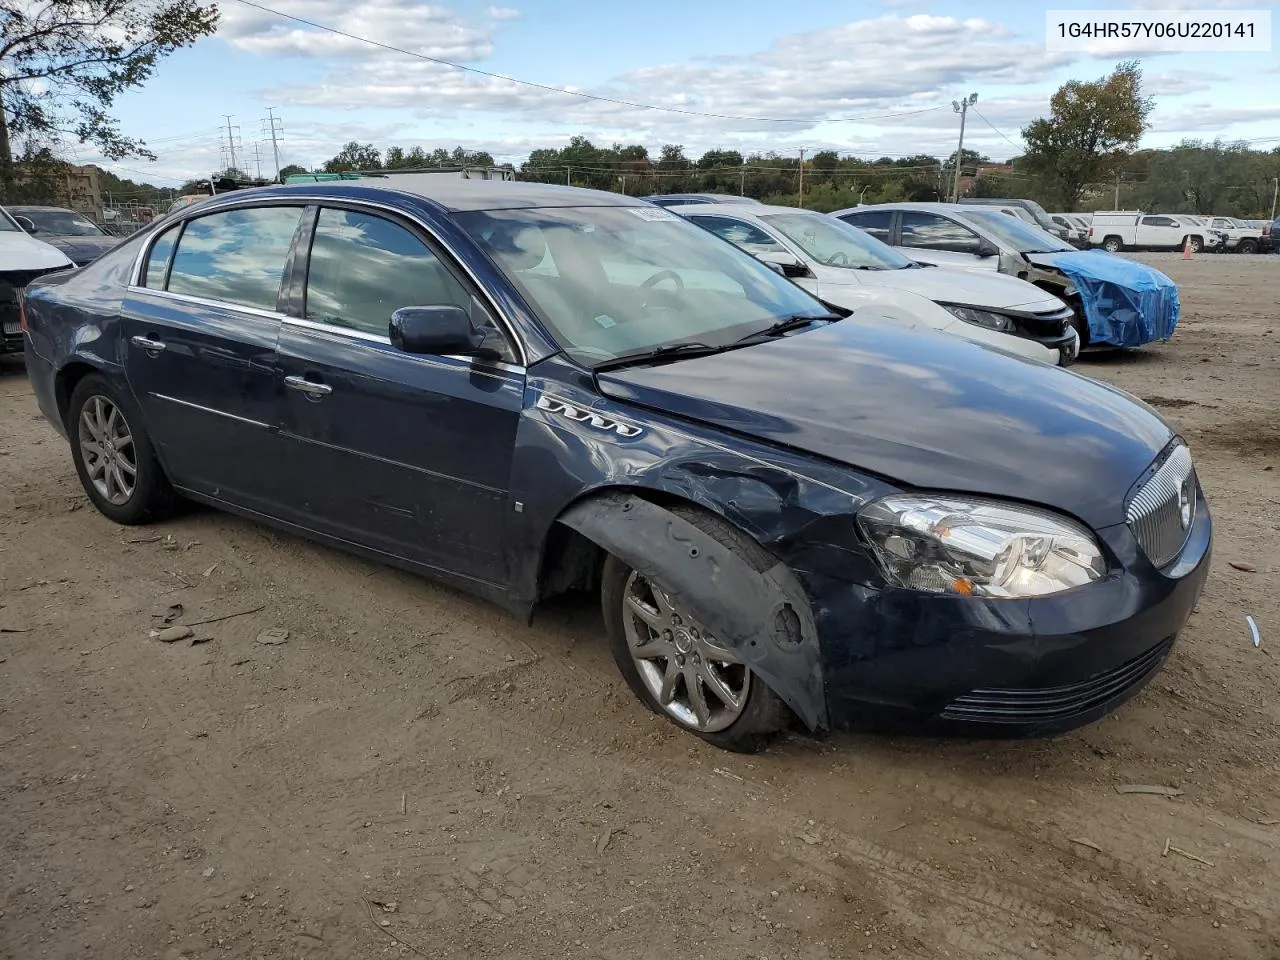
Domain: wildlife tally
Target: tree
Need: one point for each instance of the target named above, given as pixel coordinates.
(355, 156)
(292, 169)
(1090, 132)
(66, 61)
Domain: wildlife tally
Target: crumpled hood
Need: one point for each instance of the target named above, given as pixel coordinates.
(922, 409)
(1126, 303)
(21, 251)
(83, 250)
(992, 290)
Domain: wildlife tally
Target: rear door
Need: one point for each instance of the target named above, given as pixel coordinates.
(200, 338)
(1159, 232)
(931, 238)
(410, 455)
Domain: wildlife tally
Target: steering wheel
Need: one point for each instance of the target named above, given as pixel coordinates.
(844, 260)
(661, 275)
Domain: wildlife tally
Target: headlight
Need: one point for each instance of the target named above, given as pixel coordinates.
(978, 548)
(982, 318)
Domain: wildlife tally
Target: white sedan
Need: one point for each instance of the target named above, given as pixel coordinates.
(848, 268)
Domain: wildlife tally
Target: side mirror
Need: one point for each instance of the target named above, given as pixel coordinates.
(987, 249)
(27, 224)
(788, 264)
(436, 330)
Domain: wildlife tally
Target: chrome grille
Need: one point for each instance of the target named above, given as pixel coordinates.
(1161, 513)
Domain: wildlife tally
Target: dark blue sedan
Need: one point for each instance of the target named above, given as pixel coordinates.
(523, 390)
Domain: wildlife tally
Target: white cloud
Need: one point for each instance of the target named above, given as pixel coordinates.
(427, 29)
(862, 68)
(502, 13)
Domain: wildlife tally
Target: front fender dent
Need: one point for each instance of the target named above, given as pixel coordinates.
(763, 614)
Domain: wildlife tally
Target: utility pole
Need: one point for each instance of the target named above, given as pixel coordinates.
(1275, 191)
(257, 158)
(273, 132)
(802, 176)
(742, 182)
(568, 176)
(961, 107)
(1117, 203)
(231, 143)
(624, 184)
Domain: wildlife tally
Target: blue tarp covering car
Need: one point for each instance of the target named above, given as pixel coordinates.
(1126, 303)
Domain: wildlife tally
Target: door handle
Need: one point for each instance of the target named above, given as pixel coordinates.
(312, 389)
(151, 346)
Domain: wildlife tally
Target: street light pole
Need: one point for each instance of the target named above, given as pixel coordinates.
(961, 107)
(1275, 191)
(802, 176)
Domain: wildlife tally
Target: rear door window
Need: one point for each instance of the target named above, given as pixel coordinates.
(878, 223)
(235, 256)
(928, 231)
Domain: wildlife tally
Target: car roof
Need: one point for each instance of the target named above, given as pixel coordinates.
(745, 209)
(34, 206)
(452, 194)
(923, 205)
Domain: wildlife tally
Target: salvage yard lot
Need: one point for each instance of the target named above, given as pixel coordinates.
(412, 772)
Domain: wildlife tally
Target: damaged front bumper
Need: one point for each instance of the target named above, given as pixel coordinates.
(1006, 667)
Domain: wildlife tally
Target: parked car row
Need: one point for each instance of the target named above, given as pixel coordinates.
(790, 510)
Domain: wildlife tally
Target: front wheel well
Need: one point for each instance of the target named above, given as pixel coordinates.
(571, 562)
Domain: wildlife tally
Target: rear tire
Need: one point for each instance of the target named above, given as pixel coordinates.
(638, 615)
(1112, 245)
(114, 456)
(1247, 246)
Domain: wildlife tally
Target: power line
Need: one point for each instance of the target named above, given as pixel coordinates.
(993, 127)
(572, 93)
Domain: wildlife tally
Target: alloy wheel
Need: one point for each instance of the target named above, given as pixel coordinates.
(106, 443)
(692, 676)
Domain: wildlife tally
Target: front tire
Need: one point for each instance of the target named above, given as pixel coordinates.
(1197, 244)
(113, 454)
(678, 667)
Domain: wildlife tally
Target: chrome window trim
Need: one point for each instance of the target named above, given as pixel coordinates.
(304, 200)
(207, 302)
(470, 363)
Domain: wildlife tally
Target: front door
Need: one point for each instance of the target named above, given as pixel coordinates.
(409, 455)
(200, 340)
(931, 238)
(1159, 232)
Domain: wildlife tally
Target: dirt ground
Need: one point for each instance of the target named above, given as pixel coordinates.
(413, 773)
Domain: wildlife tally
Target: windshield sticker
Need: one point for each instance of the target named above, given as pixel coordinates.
(606, 321)
(651, 213)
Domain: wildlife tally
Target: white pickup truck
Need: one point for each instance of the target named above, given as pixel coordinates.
(1241, 237)
(1134, 230)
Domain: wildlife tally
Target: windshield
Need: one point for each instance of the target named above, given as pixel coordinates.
(63, 223)
(7, 223)
(1014, 233)
(836, 243)
(614, 281)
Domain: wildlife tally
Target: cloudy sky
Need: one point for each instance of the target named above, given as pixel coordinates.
(866, 78)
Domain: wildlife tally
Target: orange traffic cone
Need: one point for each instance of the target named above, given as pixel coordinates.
(1186, 249)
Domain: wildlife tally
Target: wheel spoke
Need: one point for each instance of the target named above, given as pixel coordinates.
(660, 598)
(717, 686)
(697, 699)
(127, 469)
(669, 681)
(87, 421)
(96, 469)
(713, 649)
(113, 481)
(646, 613)
(110, 425)
(99, 418)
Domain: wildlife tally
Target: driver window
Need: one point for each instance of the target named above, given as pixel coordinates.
(364, 267)
(927, 231)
